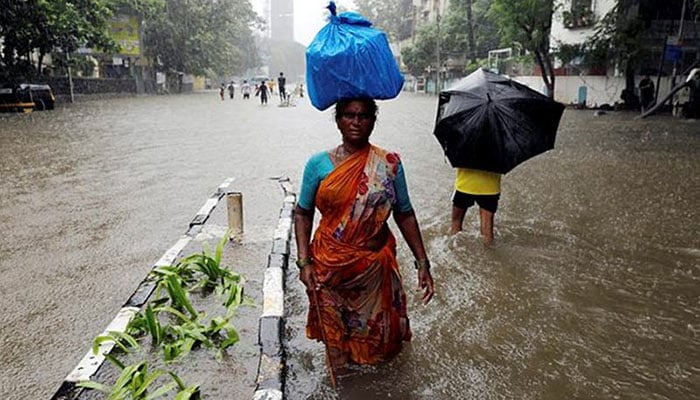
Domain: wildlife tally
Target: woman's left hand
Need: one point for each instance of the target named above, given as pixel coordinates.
(425, 282)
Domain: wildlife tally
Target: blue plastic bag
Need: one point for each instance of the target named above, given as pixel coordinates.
(349, 59)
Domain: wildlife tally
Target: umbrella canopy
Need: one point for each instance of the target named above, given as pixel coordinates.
(489, 122)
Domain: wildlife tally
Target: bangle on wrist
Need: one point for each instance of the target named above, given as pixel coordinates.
(424, 263)
(303, 262)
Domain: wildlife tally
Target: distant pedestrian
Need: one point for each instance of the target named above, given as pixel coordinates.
(245, 89)
(262, 92)
(231, 90)
(646, 93)
(222, 90)
(281, 81)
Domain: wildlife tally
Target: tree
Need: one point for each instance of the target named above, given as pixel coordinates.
(459, 38)
(619, 34)
(202, 36)
(470, 30)
(43, 26)
(395, 17)
(463, 35)
(459, 23)
(529, 23)
(623, 35)
(422, 53)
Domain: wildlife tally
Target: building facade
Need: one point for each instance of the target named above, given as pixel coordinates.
(281, 20)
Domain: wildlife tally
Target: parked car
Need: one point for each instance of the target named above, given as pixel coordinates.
(26, 97)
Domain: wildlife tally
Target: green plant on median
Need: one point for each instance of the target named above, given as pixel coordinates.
(135, 381)
(174, 325)
(178, 294)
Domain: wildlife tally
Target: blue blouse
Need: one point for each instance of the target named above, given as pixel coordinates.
(320, 165)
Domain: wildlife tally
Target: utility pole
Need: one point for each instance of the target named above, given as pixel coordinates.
(679, 43)
(439, 64)
(70, 78)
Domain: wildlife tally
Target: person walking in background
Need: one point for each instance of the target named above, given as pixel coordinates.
(271, 86)
(262, 92)
(231, 90)
(646, 93)
(222, 90)
(245, 90)
(281, 81)
(357, 304)
(482, 187)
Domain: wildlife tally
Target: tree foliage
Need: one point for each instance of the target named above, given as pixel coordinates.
(620, 35)
(529, 23)
(421, 54)
(467, 31)
(459, 39)
(202, 36)
(44, 26)
(192, 36)
(620, 32)
(395, 17)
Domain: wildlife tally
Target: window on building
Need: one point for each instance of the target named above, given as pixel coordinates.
(580, 15)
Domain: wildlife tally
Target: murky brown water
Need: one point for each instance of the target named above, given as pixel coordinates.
(591, 292)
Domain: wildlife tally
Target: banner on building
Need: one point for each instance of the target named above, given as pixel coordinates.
(125, 31)
(673, 51)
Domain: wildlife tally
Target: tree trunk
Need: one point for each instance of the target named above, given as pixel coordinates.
(39, 62)
(470, 33)
(545, 63)
(629, 95)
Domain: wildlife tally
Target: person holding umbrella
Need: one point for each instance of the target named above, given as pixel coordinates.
(480, 187)
(487, 124)
(357, 304)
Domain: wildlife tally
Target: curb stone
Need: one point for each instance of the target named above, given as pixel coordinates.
(272, 367)
(270, 378)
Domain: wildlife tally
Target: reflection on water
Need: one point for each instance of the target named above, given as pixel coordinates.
(591, 290)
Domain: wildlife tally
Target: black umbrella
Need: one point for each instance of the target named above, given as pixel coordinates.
(489, 122)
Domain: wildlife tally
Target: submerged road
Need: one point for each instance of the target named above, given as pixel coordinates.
(590, 292)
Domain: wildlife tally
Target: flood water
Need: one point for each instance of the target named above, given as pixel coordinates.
(592, 290)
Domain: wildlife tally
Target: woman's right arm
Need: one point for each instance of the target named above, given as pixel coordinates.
(303, 223)
(304, 216)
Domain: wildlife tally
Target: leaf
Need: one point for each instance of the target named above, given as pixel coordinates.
(117, 338)
(94, 385)
(191, 392)
(179, 296)
(148, 380)
(220, 247)
(173, 311)
(162, 391)
(180, 383)
(115, 361)
(153, 326)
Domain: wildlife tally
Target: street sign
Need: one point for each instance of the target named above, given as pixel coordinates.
(673, 52)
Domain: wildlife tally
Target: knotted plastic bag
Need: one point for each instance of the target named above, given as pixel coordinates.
(349, 59)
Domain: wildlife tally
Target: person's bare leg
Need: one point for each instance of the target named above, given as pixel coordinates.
(486, 218)
(457, 219)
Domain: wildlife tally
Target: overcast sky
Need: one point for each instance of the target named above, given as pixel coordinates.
(309, 16)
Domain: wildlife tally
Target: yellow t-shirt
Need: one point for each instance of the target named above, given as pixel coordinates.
(474, 181)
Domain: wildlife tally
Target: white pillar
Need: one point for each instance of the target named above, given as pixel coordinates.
(234, 202)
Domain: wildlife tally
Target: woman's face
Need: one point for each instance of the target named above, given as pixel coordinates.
(356, 123)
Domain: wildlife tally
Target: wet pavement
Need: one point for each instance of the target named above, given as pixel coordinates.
(590, 292)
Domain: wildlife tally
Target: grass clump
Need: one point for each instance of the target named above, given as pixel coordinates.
(174, 327)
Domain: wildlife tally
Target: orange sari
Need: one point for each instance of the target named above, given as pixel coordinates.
(362, 301)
